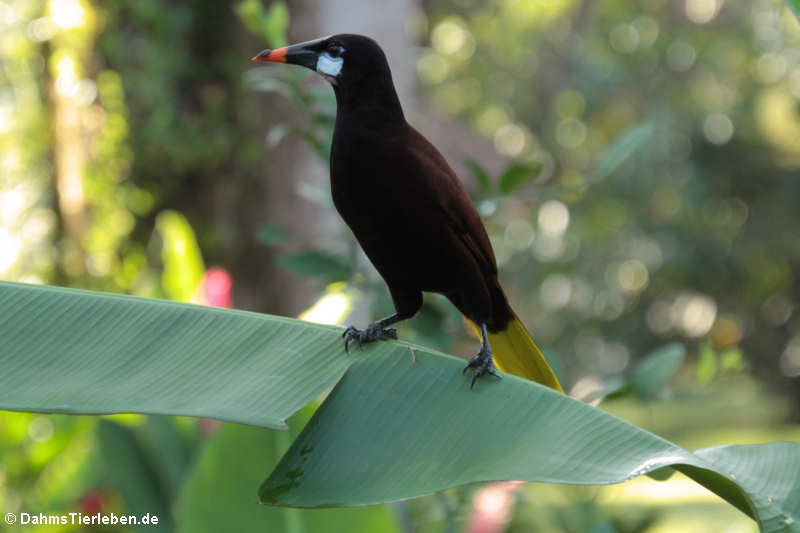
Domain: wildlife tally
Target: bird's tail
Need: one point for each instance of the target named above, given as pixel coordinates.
(515, 352)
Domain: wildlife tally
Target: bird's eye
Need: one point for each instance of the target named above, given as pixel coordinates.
(335, 50)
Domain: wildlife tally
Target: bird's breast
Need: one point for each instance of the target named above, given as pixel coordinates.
(358, 175)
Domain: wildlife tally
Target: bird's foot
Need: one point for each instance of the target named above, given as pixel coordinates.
(482, 364)
(373, 332)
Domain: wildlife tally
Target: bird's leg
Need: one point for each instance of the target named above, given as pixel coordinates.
(482, 361)
(373, 332)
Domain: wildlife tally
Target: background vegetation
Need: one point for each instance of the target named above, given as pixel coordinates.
(636, 164)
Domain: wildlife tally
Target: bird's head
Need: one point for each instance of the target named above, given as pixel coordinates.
(344, 60)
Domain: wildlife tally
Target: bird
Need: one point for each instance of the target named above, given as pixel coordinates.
(408, 210)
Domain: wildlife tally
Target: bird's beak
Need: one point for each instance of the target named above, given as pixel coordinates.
(304, 54)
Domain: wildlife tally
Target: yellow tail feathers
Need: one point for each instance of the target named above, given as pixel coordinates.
(516, 353)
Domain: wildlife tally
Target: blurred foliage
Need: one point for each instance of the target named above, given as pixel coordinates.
(648, 197)
(146, 467)
(328, 267)
(605, 261)
(219, 495)
(794, 5)
(665, 135)
(183, 262)
(270, 24)
(27, 223)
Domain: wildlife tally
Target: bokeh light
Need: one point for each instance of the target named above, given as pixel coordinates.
(553, 217)
(790, 358)
(702, 11)
(632, 276)
(67, 14)
(571, 133)
(555, 291)
(694, 313)
(624, 38)
(452, 38)
(510, 139)
(718, 128)
(681, 56)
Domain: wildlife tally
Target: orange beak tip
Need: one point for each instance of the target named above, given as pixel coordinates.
(278, 55)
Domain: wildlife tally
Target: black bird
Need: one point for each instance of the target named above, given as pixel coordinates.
(408, 209)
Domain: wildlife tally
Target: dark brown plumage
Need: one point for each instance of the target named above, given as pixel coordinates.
(405, 205)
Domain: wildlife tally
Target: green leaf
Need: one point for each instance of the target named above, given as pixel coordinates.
(650, 376)
(72, 351)
(129, 470)
(731, 360)
(271, 25)
(183, 263)
(401, 421)
(657, 368)
(276, 23)
(169, 449)
(706, 364)
(481, 177)
(773, 470)
(250, 13)
(623, 147)
(517, 175)
(323, 265)
(398, 427)
(220, 496)
(271, 235)
(794, 5)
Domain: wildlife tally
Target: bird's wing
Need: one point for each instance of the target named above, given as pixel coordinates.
(448, 194)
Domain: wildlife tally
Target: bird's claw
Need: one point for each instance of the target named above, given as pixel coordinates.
(482, 364)
(373, 332)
